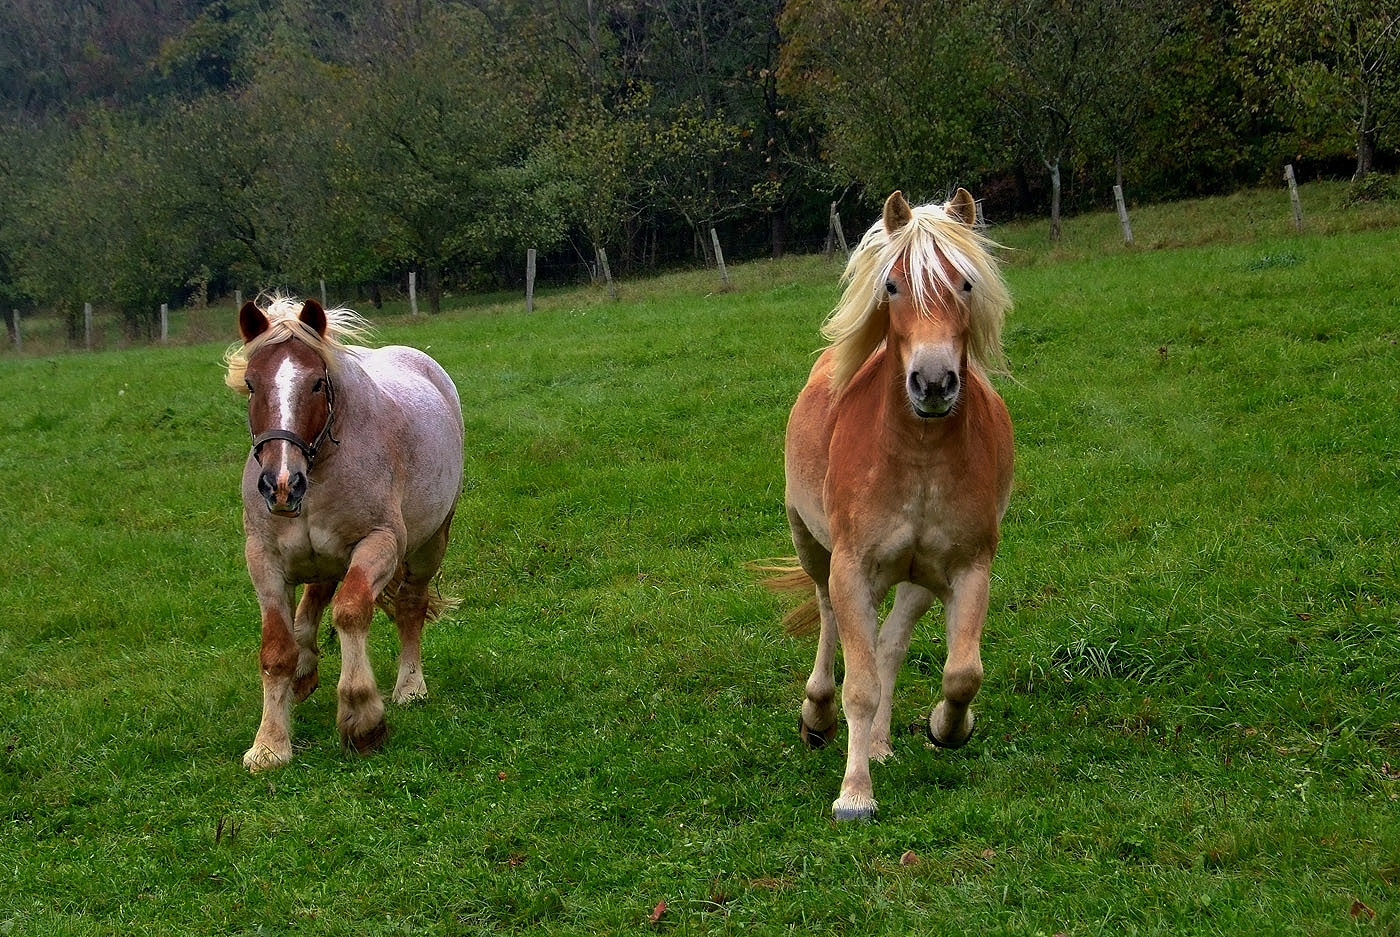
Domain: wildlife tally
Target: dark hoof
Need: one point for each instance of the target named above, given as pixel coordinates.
(371, 741)
(305, 685)
(940, 743)
(815, 738)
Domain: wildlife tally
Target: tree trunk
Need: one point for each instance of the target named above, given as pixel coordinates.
(1054, 167)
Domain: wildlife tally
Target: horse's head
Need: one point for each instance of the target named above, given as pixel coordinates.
(924, 284)
(928, 311)
(291, 401)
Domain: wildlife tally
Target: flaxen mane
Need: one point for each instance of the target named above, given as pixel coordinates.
(344, 331)
(857, 325)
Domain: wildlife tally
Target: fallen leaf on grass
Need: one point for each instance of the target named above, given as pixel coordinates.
(1359, 910)
(659, 910)
(989, 854)
(1388, 771)
(909, 858)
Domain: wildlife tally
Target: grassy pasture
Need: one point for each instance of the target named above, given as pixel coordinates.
(1191, 721)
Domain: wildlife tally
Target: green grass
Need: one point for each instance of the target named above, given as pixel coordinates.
(1192, 652)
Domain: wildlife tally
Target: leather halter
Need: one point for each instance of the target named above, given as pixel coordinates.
(309, 450)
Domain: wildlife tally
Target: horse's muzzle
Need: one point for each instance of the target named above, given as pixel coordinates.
(933, 392)
(282, 494)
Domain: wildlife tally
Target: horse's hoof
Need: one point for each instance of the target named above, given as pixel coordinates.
(856, 807)
(815, 738)
(261, 758)
(305, 685)
(950, 743)
(371, 741)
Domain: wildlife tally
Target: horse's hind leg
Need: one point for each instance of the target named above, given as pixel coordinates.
(817, 723)
(910, 603)
(411, 612)
(314, 599)
(951, 722)
(360, 710)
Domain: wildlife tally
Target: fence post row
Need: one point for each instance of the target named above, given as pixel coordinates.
(164, 322)
(19, 339)
(413, 292)
(530, 280)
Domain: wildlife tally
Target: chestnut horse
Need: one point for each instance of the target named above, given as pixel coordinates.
(351, 482)
(898, 462)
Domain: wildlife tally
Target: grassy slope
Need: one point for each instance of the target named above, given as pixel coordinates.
(1192, 652)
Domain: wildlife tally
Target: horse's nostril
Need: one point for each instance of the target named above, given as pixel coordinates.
(266, 486)
(949, 386)
(296, 487)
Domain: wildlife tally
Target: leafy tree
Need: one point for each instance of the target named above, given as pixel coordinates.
(1066, 63)
(900, 90)
(1336, 64)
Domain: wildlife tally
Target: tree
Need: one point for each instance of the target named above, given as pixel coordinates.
(1336, 63)
(1066, 63)
(900, 90)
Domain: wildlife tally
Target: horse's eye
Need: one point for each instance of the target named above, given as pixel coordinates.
(319, 386)
(890, 287)
(248, 384)
(967, 286)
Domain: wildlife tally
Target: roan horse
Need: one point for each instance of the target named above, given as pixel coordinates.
(351, 482)
(898, 462)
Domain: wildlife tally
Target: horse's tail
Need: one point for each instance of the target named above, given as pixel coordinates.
(438, 604)
(785, 577)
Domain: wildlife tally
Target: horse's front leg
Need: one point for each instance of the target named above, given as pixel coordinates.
(910, 603)
(277, 659)
(360, 709)
(852, 601)
(314, 599)
(951, 722)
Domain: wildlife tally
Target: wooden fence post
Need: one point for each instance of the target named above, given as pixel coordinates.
(413, 292)
(1293, 196)
(530, 280)
(607, 272)
(164, 322)
(87, 326)
(1123, 214)
(840, 234)
(19, 339)
(237, 300)
(719, 258)
(323, 293)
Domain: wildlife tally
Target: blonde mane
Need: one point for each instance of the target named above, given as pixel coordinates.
(856, 327)
(345, 329)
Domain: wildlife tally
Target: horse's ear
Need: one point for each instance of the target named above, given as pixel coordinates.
(313, 315)
(251, 322)
(897, 213)
(963, 207)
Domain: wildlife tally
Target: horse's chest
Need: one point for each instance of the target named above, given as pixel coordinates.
(312, 555)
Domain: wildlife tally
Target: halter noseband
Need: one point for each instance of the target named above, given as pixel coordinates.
(309, 450)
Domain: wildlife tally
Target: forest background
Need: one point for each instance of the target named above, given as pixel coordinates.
(170, 151)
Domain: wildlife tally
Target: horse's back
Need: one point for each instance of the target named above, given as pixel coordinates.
(423, 426)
